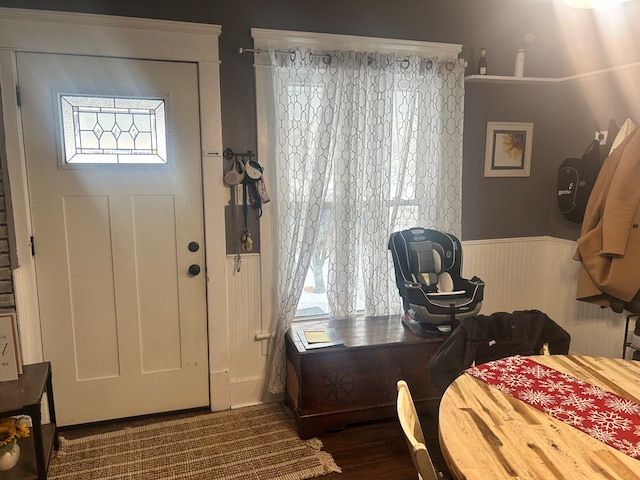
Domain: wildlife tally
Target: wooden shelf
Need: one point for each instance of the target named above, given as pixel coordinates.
(24, 396)
(26, 468)
(507, 79)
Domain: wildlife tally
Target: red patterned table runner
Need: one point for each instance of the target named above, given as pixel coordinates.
(604, 415)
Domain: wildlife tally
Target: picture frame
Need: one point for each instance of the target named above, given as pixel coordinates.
(10, 358)
(508, 149)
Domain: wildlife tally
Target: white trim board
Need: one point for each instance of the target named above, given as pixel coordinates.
(89, 34)
(285, 39)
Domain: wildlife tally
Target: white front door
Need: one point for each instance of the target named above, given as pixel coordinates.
(113, 164)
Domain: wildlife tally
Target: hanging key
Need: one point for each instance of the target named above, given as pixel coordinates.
(247, 241)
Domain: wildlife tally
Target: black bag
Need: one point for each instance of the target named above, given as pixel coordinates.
(575, 180)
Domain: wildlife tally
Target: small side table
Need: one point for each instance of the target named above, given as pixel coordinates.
(24, 397)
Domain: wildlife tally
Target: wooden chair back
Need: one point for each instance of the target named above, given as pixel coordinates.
(412, 429)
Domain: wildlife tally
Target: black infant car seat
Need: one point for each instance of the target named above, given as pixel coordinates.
(435, 297)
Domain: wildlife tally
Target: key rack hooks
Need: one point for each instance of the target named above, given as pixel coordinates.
(241, 165)
(235, 178)
(229, 154)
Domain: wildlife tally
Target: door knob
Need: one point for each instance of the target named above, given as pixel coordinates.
(193, 246)
(194, 270)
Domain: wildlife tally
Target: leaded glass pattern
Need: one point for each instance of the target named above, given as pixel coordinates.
(113, 130)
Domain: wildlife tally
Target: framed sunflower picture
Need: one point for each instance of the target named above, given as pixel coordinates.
(508, 149)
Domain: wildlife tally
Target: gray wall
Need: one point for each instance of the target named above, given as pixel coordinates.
(499, 207)
(567, 42)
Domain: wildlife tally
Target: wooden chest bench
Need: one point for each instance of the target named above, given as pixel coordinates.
(328, 388)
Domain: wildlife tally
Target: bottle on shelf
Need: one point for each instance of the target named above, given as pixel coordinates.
(519, 64)
(482, 63)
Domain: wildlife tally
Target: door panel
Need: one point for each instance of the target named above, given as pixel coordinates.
(158, 331)
(91, 283)
(123, 322)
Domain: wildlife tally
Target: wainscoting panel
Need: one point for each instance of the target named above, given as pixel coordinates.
(594, 330)
(510, 270)
(540, 273)
(519, 273)
(246, 352)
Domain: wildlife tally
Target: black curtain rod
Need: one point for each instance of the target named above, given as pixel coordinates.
(327, 56)
(260, 50)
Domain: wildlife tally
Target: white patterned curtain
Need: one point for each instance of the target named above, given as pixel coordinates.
(365, 144)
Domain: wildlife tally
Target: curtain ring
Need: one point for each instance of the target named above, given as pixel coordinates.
(429, 64)
(327, 59)
(292, 55)
(405, 63)
(450, 66)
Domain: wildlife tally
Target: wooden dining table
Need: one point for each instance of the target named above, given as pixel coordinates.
(487, 434)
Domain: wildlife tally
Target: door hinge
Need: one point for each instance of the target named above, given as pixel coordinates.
(18, 96)
(33, 246)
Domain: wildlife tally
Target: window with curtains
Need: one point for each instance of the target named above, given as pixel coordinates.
(361, 141)
(381, 171)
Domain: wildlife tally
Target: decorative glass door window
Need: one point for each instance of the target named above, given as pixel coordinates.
(112, 130)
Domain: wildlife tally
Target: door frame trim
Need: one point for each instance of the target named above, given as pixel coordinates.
(26, 30)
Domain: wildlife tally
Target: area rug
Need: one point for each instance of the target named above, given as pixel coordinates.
(257, 442)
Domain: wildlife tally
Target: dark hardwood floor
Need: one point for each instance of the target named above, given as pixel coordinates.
(363, 451)
(378, 450)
